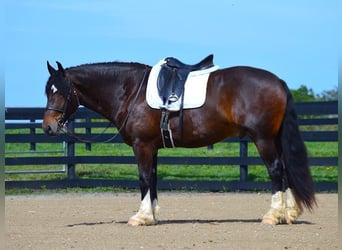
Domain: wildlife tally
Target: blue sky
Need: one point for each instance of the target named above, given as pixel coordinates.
(297, 40)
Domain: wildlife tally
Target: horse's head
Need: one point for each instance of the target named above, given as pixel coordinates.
(62, 100)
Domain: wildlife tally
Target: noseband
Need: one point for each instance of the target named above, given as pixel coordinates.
(61, 120)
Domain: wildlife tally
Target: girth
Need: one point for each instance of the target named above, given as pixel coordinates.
(165, 129)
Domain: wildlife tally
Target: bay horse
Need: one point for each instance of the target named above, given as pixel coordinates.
(240, 101)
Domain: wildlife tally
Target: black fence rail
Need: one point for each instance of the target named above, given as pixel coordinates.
(314, 115)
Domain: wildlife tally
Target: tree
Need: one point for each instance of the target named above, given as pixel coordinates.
(328, 95)
(303, 94)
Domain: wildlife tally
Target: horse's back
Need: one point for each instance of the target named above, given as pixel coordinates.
(239, 78)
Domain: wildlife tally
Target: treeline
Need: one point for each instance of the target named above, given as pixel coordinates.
(305, 94)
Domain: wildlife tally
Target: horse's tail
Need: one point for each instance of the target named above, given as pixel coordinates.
(295, 156)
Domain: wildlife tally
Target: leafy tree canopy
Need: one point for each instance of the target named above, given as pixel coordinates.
(305, 94)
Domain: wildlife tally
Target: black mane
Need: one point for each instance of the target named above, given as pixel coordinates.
(109, 68)
(106, 65)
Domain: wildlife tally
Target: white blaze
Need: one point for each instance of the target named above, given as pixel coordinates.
(54, 89)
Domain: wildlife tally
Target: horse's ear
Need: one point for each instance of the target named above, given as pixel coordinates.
(60, 68)
(50, 68)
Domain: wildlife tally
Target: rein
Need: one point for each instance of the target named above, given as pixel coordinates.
(70, 133)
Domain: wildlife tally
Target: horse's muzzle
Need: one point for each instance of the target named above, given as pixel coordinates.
(51, 128)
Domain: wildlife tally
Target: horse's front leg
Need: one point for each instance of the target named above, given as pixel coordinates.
(147, 164)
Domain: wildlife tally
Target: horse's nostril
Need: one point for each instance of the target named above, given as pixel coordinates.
(48, 130)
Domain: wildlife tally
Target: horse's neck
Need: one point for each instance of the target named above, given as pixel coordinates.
(110, 98)
(96, 97)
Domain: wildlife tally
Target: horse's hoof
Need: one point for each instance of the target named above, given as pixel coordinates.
(291, 215)
(135, 221)
(273, 217)
(269, 221)
(289, 222)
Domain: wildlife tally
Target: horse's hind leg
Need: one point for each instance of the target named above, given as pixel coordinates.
(270, 154)
(292, 209)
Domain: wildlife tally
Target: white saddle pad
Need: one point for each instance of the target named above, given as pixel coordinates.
(195, 89)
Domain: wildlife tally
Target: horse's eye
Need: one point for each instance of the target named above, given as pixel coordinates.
(54, 89)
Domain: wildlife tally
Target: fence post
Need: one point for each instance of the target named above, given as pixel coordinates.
(88, 133)
(243, 157)
(71, 153)
(32, 132)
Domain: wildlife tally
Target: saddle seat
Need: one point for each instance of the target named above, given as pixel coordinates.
(204, 64)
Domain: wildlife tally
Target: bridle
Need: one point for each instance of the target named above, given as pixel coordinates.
(61, 121)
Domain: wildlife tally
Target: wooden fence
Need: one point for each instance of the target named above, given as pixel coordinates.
(322, 114)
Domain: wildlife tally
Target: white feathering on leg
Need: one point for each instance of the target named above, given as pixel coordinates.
(292, 209)
(276, 213)
(145, 214)
(155, 209)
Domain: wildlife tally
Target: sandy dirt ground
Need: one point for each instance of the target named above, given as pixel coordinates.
(187, 221)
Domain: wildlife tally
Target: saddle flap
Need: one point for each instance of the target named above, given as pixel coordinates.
(170, 83)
